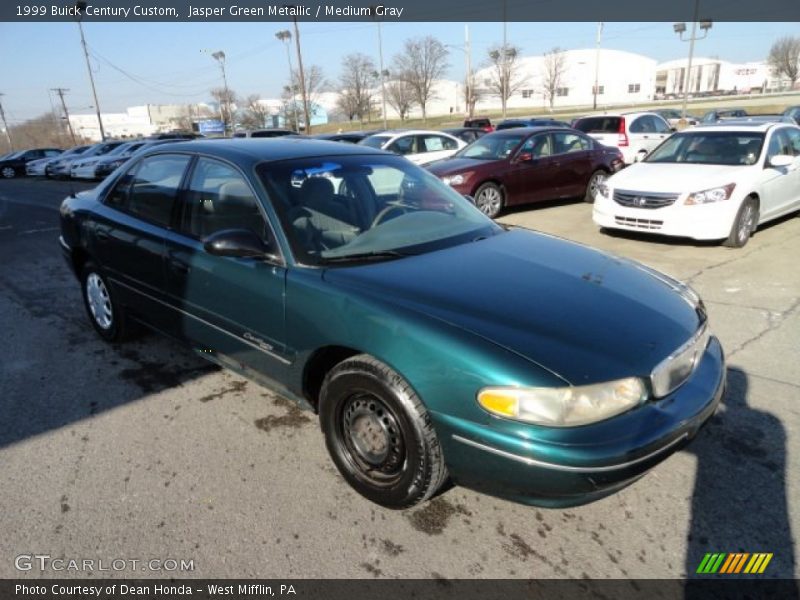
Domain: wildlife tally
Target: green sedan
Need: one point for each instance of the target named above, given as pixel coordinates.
(434, 343)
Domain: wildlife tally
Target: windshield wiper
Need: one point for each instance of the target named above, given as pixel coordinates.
(374, 255)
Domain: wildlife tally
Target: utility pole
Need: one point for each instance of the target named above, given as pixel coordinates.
(60, 92)
(383, 74)
(286, 36)
(5, 125)
(597, 64)
(505, 58)
(302, 76)
(81, 6)
(470, 90)
(219, 56)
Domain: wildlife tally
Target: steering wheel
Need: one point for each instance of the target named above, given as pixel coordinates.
(390, 208)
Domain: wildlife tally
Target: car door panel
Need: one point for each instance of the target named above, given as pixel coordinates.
(230, 306)
(776, 182)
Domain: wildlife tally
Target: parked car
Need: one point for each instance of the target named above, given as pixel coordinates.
(352, 137)
(713, 116)
(14, 164)
(530, 122)
(419, 146)
(673, 116)
(715, 182)
(466, 134)
(523, 166)
(265, 133)
(635, 133)
(55, 164)
(793, 112)
(35, 168)
(86, 168)
(63, 168)
(484, 123)
(109, 163)
(282, 262)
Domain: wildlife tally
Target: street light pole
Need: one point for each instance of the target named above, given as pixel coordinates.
(383, 76)
(286, 36)
(219, 56)
(597, 64)
(81, 6)
(302, 76)
(680, 29)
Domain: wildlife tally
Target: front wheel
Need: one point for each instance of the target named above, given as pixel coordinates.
(379, 434)
(490, 199)
(595, 180)
(744, 224)
(8, 172)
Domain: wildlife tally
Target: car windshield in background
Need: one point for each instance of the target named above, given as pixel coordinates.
(491, 147)
(374, 141)
(597, 125)
(712, 148)
(340, 209)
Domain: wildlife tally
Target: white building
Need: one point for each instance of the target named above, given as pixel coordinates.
(139, 120)
(713, 75)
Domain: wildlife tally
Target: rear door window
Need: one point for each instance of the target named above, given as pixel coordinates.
(598, 124)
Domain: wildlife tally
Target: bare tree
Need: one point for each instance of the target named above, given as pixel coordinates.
(254, 112)
(422, 62)
(225, 99)
(506, 76)
(292, 107)
(400, 96)
(784, 58)
(553, 69)
(43, 130)
(355, 86)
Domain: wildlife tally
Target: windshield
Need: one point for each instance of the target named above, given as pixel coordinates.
(374, 141)
(492, 147)
(711, 148)
(341, 207)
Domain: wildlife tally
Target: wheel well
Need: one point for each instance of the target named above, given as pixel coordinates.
(79, 258)
(318, 366)
(494, 181)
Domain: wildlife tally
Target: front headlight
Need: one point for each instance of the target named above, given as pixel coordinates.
(565, 406)
(459, 179)
(716, 194)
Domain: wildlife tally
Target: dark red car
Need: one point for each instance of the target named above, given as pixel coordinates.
(525, 165)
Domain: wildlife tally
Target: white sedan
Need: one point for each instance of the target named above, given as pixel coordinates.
(715, 182)
(419, 146)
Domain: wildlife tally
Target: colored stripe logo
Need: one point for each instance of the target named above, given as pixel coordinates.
(731, 563)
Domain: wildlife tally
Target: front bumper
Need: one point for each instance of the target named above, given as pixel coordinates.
(572, 466)
(702, 222)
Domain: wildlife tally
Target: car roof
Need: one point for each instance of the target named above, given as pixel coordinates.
(517, 130)
(254, 150)
(739, 125)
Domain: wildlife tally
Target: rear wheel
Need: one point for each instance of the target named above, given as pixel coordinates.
(106, 314)
(744, 224)
(8, 172)
(595, 180)
(490, 199)
(379, 434)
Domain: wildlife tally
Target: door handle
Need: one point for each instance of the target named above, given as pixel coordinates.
(179, 266)
(647, 137)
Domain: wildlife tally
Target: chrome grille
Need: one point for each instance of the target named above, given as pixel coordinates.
(648, 224)
(643, 199)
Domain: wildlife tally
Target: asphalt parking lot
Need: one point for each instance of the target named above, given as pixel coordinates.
(145, 451)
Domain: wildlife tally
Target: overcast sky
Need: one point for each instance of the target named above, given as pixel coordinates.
(161, 63)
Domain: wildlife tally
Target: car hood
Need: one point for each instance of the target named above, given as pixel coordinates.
(450, 166)
(582, 314)
(675, 177)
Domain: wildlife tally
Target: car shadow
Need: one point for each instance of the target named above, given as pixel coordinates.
(740, 501)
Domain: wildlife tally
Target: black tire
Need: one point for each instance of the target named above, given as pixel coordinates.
(379, 434)
(112, 324)
(744, 224)
(591, 187)
(490, 199)
(8, 172)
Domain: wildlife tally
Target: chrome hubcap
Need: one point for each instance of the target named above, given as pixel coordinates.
(8, 172)
(373, 438)
(746, 224)
(594, 182)
(489, 201)
(99, 301)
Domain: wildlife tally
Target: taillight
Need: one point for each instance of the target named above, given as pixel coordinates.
(622, 136)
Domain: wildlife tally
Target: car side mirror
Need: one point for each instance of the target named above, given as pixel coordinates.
(781, 160)
(673, 129)
(238, 243)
